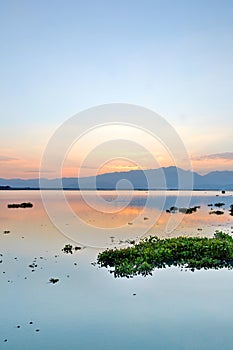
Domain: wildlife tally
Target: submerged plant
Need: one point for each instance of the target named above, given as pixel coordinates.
(188, 252)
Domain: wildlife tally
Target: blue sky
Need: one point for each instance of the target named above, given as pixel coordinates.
(60, 57)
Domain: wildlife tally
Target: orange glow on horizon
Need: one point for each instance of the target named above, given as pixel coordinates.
(28, 168)
(204, 166)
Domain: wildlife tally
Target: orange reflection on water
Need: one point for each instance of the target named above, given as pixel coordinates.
(101, 218)
(35, 221)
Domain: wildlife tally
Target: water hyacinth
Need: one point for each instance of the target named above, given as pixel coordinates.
(186, 252)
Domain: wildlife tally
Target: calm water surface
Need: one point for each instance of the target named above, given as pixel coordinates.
(88, 308)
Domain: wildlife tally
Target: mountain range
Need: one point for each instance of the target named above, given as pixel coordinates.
(161, 178)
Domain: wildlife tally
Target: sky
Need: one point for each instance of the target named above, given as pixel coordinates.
(58, 58)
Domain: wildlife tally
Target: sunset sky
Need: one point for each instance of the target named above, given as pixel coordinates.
(58, 58)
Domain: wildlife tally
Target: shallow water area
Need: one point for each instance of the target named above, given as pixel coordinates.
(89, 309)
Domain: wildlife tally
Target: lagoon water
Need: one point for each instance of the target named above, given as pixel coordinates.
(88, 308)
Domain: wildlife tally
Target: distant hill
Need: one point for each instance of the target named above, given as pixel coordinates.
(161, 178)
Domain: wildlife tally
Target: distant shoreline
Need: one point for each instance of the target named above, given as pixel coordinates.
(113, 189)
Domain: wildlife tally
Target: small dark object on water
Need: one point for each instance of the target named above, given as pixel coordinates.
(219, 205)
(20, 205)
(173, 209)
(216, 212)
(17, 326)
(68, 249)
(53, 280)
(30, 322)
(37, 330)
(77, 248)
(183, 210)
(189, 210)
(5, 340)
(6, 232)
(210, 205)
(32, 266)
(223, 191)
(231, 210)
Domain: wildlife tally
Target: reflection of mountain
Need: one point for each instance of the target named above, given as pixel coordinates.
(162, 178)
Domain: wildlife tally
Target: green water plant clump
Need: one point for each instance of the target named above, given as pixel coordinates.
(185, 252)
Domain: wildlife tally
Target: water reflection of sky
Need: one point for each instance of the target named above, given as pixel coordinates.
(90, 309)
(127, 218)
(170, 198)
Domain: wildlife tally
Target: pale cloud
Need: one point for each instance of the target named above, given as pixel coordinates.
(38, 171)
(7, 159)
(228, 156)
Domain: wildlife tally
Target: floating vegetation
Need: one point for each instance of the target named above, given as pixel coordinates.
(68, 249)
(217, 212)
(130, 241)
(172, 210)
(53, 280)
(186, 252)
(20, 205)
(219, 205)
(77, 248)
(190, 210)
(231, 210)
